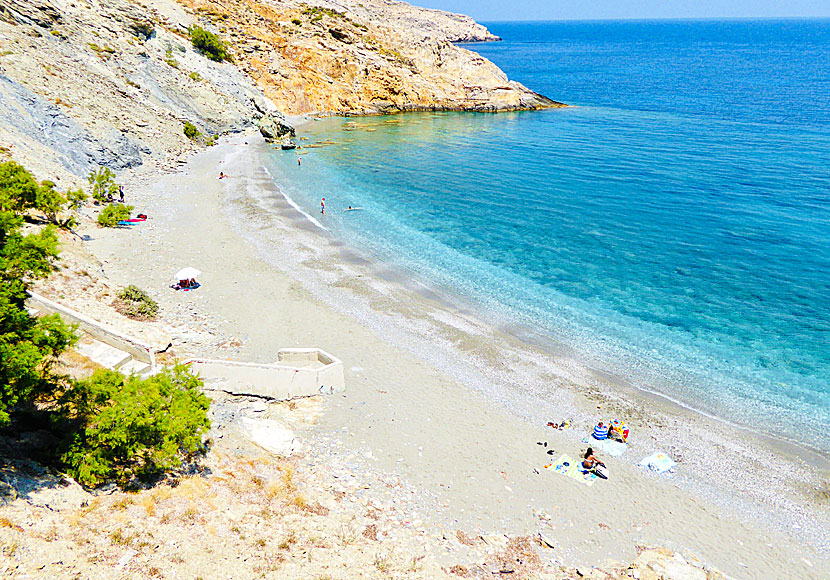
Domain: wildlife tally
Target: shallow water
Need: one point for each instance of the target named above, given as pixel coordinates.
(674, 228)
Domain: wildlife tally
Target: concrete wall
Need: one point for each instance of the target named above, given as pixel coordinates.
(276, 381)
(138, 349)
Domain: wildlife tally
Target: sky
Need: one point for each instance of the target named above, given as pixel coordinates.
(494, 10)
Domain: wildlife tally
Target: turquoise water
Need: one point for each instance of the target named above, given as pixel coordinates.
(674, 227)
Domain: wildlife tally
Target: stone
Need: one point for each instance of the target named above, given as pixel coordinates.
(274, 128)
(272, 436)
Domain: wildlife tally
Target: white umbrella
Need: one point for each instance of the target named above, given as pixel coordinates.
(187, 273)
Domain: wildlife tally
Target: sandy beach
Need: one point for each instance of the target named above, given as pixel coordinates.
(425, 389)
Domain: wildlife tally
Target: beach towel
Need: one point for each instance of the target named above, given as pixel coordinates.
(608, 446)
(658, 462)
(570, 467)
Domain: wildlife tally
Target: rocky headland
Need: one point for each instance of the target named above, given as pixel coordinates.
(112, 83)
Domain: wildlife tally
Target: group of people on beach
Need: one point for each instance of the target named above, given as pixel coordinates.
(111, 198)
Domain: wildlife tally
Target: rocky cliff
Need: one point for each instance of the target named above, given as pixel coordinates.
(94, 82)
(363, 56)
(85, 83)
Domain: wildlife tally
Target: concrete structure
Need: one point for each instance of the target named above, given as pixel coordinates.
(298, 372)
(109, 347)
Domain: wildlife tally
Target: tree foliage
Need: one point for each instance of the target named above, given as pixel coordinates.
(191, 131)
(128, 428)
(114, 213)
(21, 193)
(29, 347)
(208, 43)
(111, 427)
(102, 182)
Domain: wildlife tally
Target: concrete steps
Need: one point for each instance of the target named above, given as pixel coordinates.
(112, 358)
(103, 354)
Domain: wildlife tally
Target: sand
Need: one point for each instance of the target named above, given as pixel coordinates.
(446, 402)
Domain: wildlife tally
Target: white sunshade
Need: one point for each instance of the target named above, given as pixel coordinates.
(187, 273)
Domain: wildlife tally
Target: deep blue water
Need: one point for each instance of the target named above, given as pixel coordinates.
(674, 226)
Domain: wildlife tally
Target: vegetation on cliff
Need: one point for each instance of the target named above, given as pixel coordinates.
(209, 44)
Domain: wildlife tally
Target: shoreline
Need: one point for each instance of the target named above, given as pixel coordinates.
(506, 446)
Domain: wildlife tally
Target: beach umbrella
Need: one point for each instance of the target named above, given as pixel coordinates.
(187, 273)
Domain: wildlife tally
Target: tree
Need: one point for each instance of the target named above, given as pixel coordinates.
(29, 346)
(103, 184)
(20, 193)
(209, 44)
(114, 213)
(128, 428)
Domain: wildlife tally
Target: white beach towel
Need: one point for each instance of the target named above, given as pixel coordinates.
(658, 462)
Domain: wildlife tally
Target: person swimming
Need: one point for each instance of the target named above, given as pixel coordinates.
(350, 208)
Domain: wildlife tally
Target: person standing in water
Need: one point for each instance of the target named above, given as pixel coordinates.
(299, 161)
(323, 206)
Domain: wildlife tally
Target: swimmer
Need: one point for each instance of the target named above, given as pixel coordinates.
(350, 208)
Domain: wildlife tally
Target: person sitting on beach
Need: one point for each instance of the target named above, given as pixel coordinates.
(600, 432)
(590, 460)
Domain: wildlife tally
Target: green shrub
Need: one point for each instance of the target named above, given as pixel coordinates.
(208, 43)
(136, 303)
(114, 213)
(191, 132)
(103, 184)
(75, 198)
(196, 76)
(168, 58)
(296, 21)
(128, 428)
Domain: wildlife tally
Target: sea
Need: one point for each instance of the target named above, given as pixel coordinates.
(672, 226)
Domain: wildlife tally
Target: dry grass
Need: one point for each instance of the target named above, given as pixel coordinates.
(77, 366)
(7, 523)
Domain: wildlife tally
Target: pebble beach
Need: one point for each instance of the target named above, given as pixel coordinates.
(421, 424)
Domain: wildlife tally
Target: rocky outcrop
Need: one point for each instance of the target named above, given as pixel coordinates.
(111, 83)
(38, 12)
(32, 118)
(417, 21)
(276, 128)
(363, 57)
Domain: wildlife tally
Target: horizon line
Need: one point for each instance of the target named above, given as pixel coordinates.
(663, 19)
